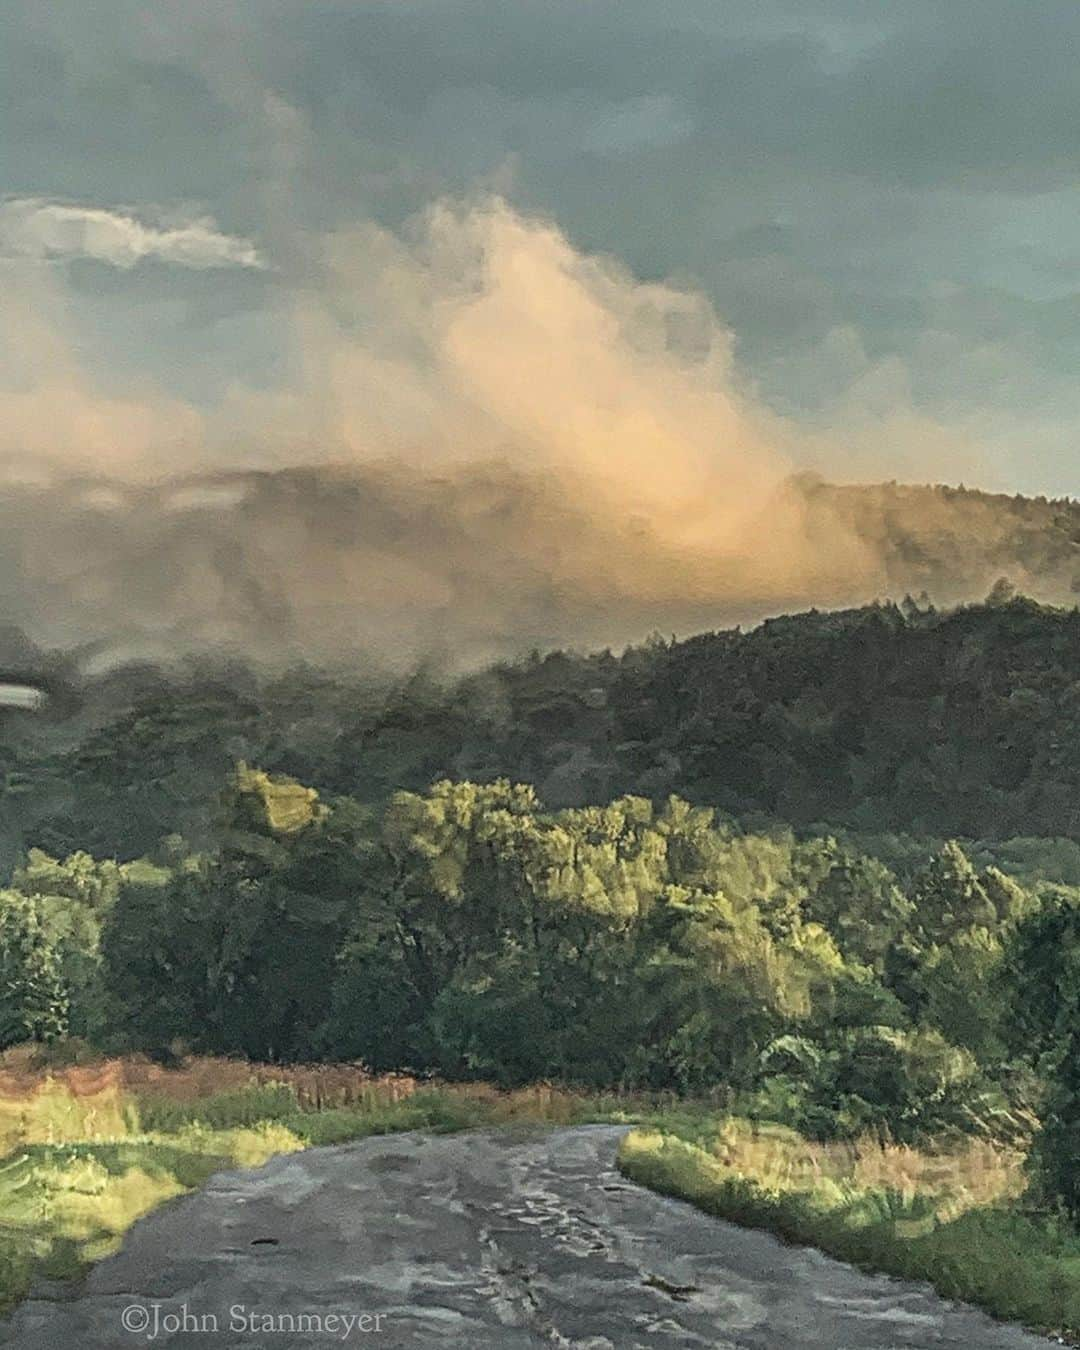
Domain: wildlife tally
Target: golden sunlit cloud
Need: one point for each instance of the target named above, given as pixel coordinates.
(492, 441)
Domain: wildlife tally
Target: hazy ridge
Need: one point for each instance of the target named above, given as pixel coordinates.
(480, 563)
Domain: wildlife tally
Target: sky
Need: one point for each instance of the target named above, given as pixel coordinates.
(237, 232)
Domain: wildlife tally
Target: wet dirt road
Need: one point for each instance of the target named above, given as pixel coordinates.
(514, 1239)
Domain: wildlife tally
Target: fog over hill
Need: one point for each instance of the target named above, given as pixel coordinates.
(478, 563)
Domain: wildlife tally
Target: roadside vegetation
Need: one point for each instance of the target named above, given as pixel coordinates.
(88, 1149)
(958, 1216)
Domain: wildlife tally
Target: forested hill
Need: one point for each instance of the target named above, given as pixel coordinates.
(964, 723)
(882, 717)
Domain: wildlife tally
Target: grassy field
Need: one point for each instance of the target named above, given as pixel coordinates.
(955, 1217)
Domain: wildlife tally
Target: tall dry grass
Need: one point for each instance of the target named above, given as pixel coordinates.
(108, 1099)
(966, 1174)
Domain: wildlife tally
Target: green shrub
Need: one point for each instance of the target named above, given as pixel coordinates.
(220, 1111)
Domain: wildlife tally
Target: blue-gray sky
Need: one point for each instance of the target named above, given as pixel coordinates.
(880, 201)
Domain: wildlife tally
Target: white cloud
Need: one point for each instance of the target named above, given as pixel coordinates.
(31, 227)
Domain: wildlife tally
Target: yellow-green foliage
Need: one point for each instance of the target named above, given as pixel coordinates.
(971, 1172)
(52, 1114)
(244, 1146)
(952, 1218)
(280, 803)
(82, 1200)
